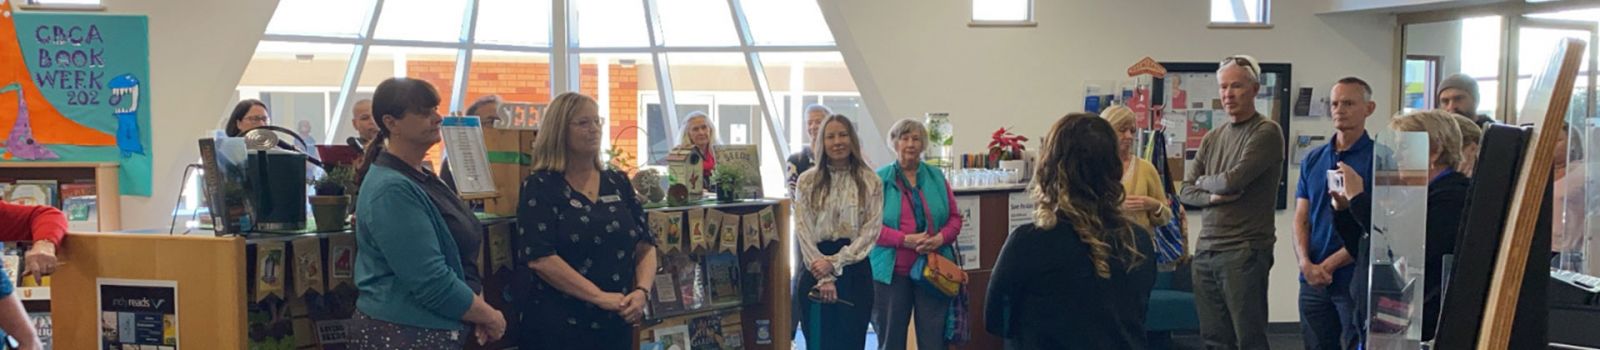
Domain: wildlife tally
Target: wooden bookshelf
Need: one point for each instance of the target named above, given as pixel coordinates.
(108, 197)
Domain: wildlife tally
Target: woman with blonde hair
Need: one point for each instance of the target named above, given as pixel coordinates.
(584, 242)
(838, 217)
(1146, 200)
(701, 137)
(1079, 276)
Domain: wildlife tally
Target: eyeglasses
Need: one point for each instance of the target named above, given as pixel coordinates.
(1242, 62)
(256, 118)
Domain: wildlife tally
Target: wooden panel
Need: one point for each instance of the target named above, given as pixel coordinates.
(1506, 284)
(209, 272)
(108, 198)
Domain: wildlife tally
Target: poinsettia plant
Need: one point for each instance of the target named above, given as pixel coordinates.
(1005, 145)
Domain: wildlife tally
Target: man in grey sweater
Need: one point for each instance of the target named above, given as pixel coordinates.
(1235, 177)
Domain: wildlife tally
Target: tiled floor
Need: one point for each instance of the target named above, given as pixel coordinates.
(1277, 341)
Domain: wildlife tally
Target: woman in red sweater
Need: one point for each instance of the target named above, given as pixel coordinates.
(45, 227)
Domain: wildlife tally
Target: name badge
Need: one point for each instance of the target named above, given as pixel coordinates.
(610, 198)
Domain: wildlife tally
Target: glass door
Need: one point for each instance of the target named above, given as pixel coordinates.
(1573, 243)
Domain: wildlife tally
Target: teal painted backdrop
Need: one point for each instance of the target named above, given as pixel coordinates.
(80, 62)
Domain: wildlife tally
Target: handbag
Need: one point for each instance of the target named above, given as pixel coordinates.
(943, 274)
(958, 320)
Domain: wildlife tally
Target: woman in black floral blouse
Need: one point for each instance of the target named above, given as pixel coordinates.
(585, 249)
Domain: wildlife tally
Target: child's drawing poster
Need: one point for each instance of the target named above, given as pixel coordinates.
(75, 88)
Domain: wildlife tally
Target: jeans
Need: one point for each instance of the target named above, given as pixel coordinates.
(1327, 316)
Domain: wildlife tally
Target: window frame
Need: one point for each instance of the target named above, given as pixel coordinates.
(972, 22)
(1263, 22)
(47, 5)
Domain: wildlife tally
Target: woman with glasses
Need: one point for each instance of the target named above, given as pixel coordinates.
(583, 239)
(248, 114)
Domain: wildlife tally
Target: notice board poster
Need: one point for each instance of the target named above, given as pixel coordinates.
(138, 314)
(74, 87)
(968, 241)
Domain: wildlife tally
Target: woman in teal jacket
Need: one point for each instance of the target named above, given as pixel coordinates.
(919, 217)
(414, 290)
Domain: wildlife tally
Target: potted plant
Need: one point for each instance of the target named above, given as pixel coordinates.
(330, 204)
(1006, 151)
(730, 182)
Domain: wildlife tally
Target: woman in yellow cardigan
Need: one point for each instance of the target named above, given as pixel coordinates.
(1145, 202)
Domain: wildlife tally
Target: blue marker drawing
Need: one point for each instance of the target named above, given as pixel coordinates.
(122, 87)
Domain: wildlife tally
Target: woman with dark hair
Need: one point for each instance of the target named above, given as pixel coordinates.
(838, 217)
(248, 114)
(1079, 276)
(416, 273)
(588, 257)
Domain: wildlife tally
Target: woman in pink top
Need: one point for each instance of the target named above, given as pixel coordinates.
(919, 217)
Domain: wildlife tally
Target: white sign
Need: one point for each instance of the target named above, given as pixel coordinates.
(469, 161)
(1019, 210)
(968, 242)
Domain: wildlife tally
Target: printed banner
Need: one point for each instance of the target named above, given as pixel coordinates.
(308, 266)
(729, 237)
(769, 226)
(269, 270)
(699, 238)
(74, 88)
(342, 260)
(752, 232)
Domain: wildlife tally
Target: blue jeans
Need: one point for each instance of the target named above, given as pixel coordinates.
(1327, 316)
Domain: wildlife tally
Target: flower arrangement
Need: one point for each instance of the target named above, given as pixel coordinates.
(1006, 146)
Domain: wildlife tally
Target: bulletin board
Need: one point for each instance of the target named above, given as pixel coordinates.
(1190, 93)
(75, 88)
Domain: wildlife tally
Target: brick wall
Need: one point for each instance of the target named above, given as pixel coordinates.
(530, 82)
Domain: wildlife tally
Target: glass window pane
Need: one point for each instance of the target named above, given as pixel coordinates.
(304, 112)
(786, 22)
(697, 23)
(802, 78)
(279, 68)
(1238, 11)
(436, 66)
(611, 23)
(629, 79)
(1002, 10)
(514, 22)
(736, 123)
(426, 20)
(323, 18)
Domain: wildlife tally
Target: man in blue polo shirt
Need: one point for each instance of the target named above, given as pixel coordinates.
(1327, 315)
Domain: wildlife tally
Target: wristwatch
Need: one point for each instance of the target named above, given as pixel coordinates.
(641, 289)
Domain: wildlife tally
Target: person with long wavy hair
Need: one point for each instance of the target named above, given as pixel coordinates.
(838, 219)
(1079, 276)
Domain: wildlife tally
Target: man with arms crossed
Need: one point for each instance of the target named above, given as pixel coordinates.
(1235, 177)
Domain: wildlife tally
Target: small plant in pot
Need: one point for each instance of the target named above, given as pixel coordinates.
(330, 203)
(730, 182)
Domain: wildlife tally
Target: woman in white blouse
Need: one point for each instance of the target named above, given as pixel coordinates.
(839, 212)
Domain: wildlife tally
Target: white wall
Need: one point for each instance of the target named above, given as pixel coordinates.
(198, 51)
(1441, 39)
(910, 57)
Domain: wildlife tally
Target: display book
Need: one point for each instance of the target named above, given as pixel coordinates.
(712, 267)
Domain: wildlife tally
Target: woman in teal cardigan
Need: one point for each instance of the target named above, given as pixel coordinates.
(414, 290)
(919, 217)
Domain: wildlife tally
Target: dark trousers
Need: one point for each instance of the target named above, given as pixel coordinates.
(837, 325)
(1327, 316)
(897, 302)
(1230, 292)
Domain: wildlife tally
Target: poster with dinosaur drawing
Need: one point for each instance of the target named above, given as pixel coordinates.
(75, 88)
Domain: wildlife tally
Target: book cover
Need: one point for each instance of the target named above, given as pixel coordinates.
(78, 203)
(743, 159)
(723, 274)
(673, 338)
(32, 192)
(664, 298)
(705, 333)
(51, 188)
(42, 327)
(691, 290)
(732, 333)
(753, 281)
